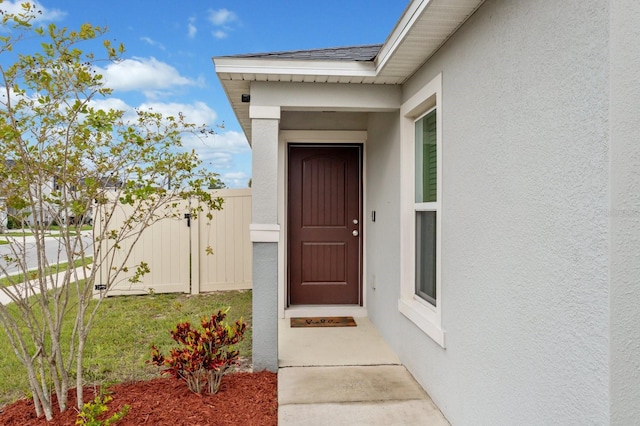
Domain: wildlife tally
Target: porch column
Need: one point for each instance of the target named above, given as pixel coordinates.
(265, 234)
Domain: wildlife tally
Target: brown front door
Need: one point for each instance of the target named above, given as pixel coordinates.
(325, 215)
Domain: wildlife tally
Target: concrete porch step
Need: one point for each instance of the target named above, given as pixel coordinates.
(346, 384)
(347, 376)
(353, 395)
(387, 413)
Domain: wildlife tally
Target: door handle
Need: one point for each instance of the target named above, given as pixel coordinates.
(355, 233)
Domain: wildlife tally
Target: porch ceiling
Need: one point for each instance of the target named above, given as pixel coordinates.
(424, 26)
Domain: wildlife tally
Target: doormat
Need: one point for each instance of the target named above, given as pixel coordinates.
(323, 322)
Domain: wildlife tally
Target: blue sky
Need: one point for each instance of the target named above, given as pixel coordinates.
(169, 46)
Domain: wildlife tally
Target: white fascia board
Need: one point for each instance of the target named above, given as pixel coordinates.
(293, 67)
(411, 14)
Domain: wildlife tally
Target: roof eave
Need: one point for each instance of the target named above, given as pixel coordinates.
(406, 21)
(425, 23)
(236, 75)
(428, 22)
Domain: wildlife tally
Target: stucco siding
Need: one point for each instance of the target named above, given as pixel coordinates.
(322, 120)
(265, 254)
(383, 236)
(265, 171)
(264, 325)
(625, 212)
(325, 96)
(525, 219)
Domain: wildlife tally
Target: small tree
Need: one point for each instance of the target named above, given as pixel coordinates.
(217, 184)
(61, 160)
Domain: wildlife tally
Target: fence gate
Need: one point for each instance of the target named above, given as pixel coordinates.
(176, 251)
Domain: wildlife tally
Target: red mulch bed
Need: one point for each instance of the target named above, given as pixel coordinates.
(243, 399)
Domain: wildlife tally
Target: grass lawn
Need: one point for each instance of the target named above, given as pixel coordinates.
(82, 228)
(16, 234)
(118, 346)
(60, 267)
(52, 231)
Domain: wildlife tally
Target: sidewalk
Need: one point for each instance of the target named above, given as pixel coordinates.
(32, 287)
(346, 376)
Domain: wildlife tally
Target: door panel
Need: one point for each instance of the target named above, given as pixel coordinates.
(324, 200)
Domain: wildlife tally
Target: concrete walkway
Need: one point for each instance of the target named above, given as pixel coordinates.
(346, 376)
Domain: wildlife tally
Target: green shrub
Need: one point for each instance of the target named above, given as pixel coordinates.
(13, 223)
(91, 411)
(203, 356)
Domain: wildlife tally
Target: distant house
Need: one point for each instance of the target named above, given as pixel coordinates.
(48, 212)
(3, 215)
(43, 215)
(111, 182)
(472, 186)
(4, 210)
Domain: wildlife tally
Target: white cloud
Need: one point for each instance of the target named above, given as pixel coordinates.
(235, 179)
(13, 96)
(223, 20)
(192, 30)
(219, 34)
(221, 152)
(152, 42)
(217, 149)
(231, 141)
(216, 160)
(197, 113)
(217, 152)
(146, 74)
(213, 160)
(222, 17)
(235, 175)
(110, 103)
(42, 13)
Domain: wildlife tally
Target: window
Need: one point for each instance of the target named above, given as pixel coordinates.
(421, 297)
(426, 188)
(426, 158)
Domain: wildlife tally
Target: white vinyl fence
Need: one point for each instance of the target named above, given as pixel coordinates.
(175, 250)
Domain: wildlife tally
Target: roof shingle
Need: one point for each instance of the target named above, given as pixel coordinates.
(350, 53)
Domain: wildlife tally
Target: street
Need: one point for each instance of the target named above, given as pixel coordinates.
(54, 251)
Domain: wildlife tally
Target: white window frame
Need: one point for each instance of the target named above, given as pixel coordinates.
(423, 314)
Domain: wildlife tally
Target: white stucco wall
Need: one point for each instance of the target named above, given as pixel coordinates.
(625, 212)
(265, 171)
(325, 96)
(525, 220)
(382, 155)
(264, 325)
